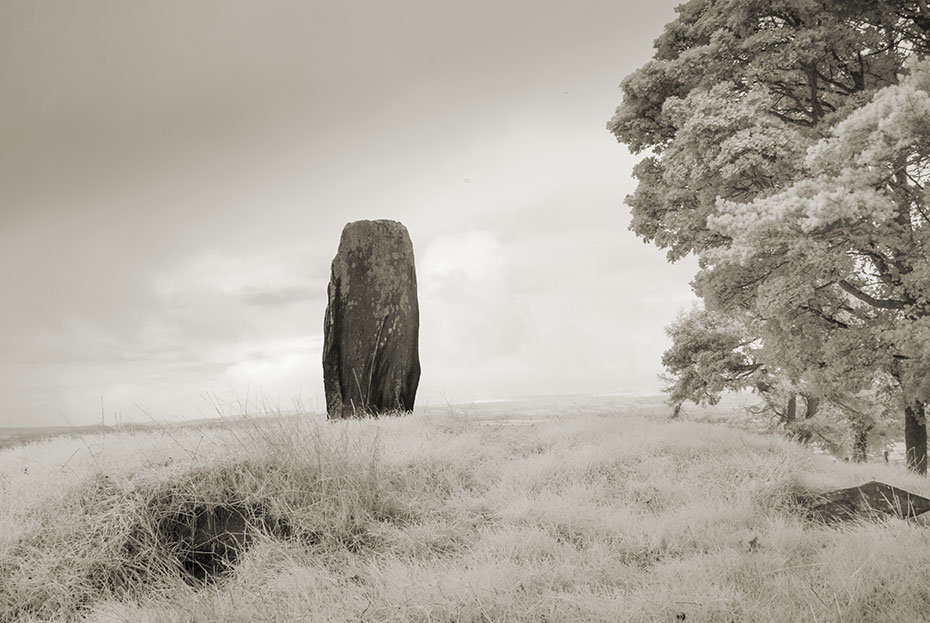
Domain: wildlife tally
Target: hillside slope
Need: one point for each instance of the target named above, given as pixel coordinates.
(608, 517)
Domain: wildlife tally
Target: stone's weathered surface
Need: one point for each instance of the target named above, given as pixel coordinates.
(865, 502)
(371, 362)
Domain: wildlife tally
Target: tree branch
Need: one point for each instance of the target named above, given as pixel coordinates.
(802, 122)
(744, 371)
(871, 300)
(819, 313)
(881, 263)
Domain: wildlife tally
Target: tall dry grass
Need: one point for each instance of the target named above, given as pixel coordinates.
(606, 517)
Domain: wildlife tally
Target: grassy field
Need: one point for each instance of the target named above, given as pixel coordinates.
(597, 514)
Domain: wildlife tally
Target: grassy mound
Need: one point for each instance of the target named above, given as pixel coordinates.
(429, 518)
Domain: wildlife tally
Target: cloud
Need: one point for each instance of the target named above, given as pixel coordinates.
(468, 318)
(269, 363)
(574, 303)
(473, 255)
(277, 297)
(212, 323)
(257, 317)
(282, 370)
(244, 276)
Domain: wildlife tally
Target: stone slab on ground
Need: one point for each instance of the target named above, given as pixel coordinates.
(867, 501)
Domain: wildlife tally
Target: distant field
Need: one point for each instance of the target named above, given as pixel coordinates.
(576, 511)
(13, 436)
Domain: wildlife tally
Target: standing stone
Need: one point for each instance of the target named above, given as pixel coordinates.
(371, 363)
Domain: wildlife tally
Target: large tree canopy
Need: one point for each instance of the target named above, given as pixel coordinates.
(788, 146)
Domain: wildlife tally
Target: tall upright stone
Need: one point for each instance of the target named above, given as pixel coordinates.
(371, 362)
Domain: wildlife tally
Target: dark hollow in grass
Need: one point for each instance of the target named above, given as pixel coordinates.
(207, 539)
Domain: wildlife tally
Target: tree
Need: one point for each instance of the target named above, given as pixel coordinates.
(711, 354)
(788, 149)
(853, 231)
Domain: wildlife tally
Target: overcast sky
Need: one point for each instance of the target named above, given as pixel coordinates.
(175, 176)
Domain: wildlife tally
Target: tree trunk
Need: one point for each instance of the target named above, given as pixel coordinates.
(915, 437)
(790, 419)
(812, 405)
(860, 443)
(791, 411)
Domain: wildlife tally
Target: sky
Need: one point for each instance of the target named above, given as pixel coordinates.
(175, 176)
